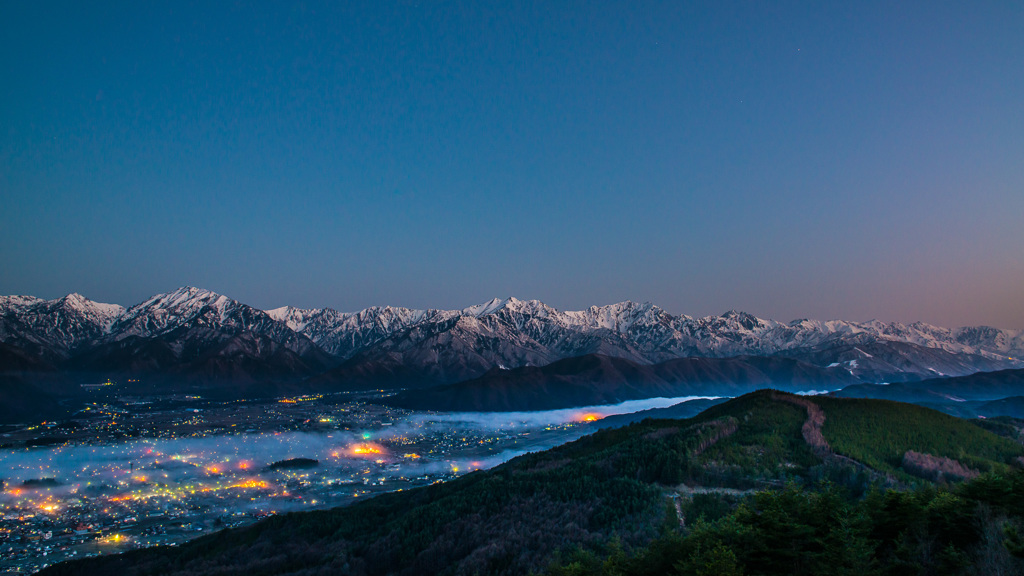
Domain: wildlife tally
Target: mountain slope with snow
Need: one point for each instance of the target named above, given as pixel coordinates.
(56, 328)
(196, 333)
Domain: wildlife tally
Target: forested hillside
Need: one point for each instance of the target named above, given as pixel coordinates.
(768, 483)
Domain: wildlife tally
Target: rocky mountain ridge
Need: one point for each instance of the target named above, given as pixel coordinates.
(196, 333)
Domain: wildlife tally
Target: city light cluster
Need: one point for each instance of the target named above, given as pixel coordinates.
(131, 476)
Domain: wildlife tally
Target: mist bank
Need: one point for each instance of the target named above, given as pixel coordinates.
(538, 418)
(395, 451)
(596, 379)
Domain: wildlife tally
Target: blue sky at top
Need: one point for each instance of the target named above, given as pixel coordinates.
(792, 159)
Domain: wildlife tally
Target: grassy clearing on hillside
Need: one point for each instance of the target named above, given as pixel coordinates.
(879, 433)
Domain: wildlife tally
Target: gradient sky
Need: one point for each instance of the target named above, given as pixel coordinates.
(847, 160)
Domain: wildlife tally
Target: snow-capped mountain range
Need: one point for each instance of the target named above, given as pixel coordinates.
(197, 333)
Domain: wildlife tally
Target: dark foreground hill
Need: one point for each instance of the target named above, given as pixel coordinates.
(597, 379)
(631, 498)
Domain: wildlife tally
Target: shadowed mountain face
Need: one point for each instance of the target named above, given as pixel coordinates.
(596, 379)
(629, 485)
(190, 334)
(986, 386)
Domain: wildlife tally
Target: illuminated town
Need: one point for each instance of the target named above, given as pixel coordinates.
(125, 473)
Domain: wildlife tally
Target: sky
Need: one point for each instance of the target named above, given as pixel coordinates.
(850, 160)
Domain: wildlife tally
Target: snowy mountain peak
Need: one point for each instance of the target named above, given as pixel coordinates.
(18, 303)
(185, 305)
(173, 299)
(298, 319)
(74, 298)
(528, 307)
(283, 313)
(294, 318)
(505, 331)
(741, 320)
(97, 314)
(189, 293)
(77, 302)
(388, 314)
(511, 305)
(61, 325)
(185, 300)
(619, 317)
(489, 307)
(627, 307)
